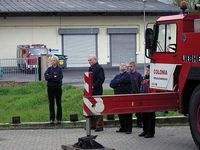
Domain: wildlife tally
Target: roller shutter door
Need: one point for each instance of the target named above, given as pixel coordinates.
(78, 48)
(123, 48)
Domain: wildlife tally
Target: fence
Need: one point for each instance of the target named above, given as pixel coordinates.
(18, 70)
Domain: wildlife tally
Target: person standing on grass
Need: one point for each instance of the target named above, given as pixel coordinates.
(98, 80)
(54, 77)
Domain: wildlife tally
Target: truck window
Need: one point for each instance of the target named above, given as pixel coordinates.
(166, 41)
(38, 51)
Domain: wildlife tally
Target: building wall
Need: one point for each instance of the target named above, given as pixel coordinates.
(44, 30)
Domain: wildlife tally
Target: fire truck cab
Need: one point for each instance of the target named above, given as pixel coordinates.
(172, 46)
(27, 56)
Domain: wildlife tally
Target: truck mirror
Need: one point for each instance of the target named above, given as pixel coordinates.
(148, 42)
(148, 38)
(197, 6)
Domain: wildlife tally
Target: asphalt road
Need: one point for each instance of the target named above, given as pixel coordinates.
(166, 138)
(75, 76)
(72, 76)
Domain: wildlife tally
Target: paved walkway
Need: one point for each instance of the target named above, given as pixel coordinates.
(166, 138)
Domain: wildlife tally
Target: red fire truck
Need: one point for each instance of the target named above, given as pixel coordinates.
(27, 56)
(175, 64)
(172, 46)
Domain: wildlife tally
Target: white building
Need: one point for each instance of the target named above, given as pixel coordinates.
(113, 30)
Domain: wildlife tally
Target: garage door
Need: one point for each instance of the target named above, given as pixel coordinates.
(122, 45)
(78, 44)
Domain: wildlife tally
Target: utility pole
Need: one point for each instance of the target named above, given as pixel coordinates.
(144, 23)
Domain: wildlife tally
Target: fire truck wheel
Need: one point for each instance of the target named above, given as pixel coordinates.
(194, 115)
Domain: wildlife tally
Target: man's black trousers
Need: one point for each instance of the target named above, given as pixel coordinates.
(149, 120)
(55, 94)
(125, 121)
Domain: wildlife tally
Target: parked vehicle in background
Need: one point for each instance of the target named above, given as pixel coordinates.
(62, 61)
(27, 56)
(1, 73)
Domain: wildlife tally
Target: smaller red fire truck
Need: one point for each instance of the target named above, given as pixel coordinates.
(27, 56)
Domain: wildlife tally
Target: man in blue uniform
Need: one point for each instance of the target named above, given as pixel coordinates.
(54, 76)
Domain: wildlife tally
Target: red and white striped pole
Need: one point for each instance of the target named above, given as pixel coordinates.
(91, 105)
(87, 93)
(87, 84)
(88, 142)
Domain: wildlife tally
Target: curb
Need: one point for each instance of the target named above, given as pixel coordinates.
(160, 121)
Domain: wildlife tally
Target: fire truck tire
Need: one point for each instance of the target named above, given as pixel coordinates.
(194, 115)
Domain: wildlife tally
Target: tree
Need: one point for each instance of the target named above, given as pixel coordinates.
(191, 4)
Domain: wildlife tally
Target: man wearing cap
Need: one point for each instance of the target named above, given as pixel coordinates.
(54, 77)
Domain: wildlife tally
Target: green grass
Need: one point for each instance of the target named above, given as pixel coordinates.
(30, 102)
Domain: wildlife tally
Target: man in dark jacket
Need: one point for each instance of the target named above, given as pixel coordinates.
(98, 80)
(149, 118)
(138, 78)
(54, 76)
(121, 84)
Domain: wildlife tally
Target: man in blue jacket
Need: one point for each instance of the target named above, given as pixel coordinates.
(121, 84)
(54, 76)
(138, 78)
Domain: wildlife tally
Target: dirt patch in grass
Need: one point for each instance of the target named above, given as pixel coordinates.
(11, 83)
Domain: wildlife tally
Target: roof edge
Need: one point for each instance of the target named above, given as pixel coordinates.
(116, 13)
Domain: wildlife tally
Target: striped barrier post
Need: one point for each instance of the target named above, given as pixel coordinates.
(91, 105)
(87, 84)
(88, 142)
(87, 93)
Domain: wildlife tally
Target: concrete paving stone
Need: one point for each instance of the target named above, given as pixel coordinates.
(166, 138)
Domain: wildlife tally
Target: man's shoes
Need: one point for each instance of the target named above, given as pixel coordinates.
(98, 129)
(149, 136)
(52, 122)
(121, 130)
(142, 134)
(58, 121)
(128, 132)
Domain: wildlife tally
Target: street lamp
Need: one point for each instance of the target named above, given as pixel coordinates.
(144, 22)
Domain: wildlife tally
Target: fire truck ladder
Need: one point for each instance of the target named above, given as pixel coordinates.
(120, 104)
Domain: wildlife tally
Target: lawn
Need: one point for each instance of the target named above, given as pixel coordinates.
(30, 102)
